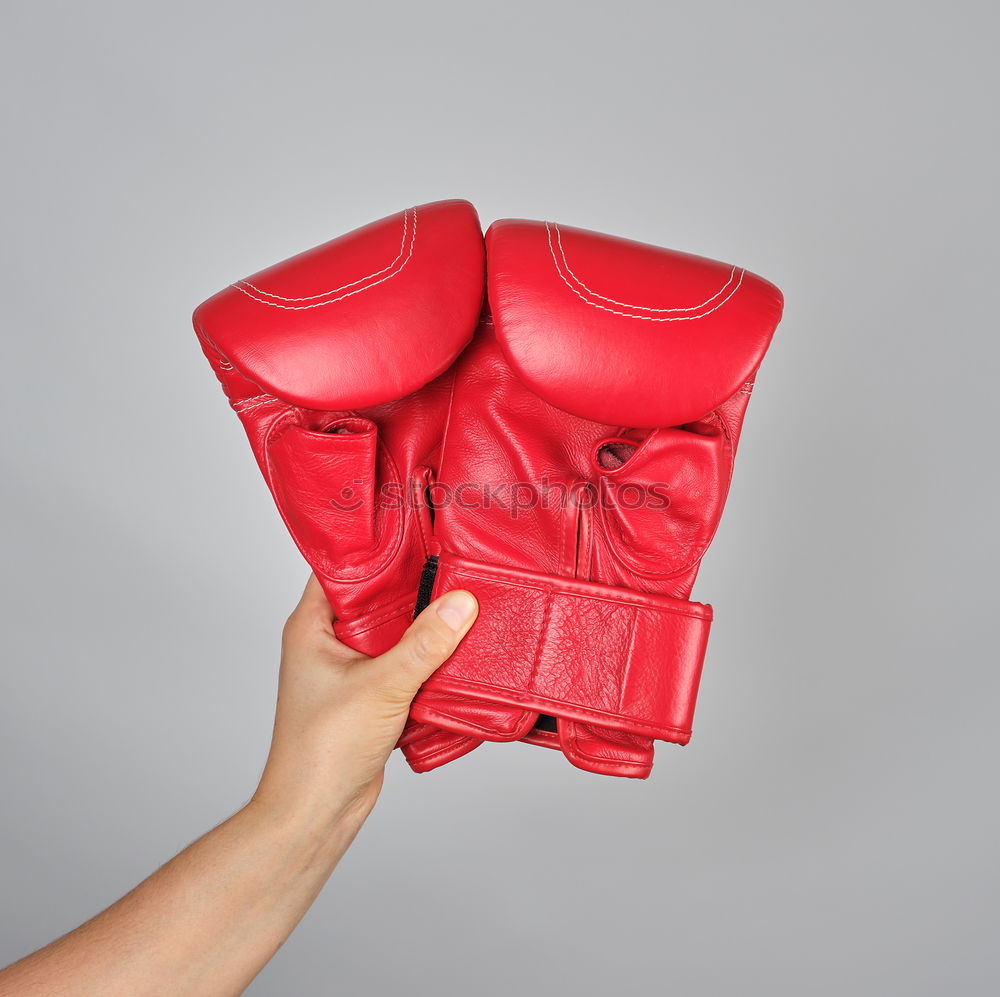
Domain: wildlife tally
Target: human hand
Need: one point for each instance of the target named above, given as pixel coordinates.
(341, 712)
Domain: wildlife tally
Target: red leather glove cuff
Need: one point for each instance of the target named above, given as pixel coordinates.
(575, 649)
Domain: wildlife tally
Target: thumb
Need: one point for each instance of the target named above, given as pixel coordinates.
(428, 642)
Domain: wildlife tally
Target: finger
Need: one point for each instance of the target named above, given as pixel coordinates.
(431, 638)
(313, 607)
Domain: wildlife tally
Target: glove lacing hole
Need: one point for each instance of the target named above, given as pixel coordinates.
(613, 454)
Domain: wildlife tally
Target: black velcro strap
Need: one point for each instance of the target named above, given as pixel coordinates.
(426, 585)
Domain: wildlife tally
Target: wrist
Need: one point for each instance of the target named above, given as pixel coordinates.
(328, 813)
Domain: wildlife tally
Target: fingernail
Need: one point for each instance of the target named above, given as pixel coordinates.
(456, 609)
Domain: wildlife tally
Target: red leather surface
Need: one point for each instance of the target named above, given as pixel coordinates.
(676, 333)
(336, 363)
(564, 627)
(614, 370)
(575, 389)
(364, 319)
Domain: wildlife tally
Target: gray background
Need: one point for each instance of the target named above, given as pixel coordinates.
(834, 822)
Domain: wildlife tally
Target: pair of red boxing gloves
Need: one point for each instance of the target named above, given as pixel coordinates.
(547, 418)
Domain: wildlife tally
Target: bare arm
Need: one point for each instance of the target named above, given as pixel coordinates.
(208, 921)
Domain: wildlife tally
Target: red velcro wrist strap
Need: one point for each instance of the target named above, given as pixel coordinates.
(576, 649)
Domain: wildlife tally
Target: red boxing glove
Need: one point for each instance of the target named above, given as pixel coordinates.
(333, 360)
(585, 467)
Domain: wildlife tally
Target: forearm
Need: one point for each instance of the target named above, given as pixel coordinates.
(206, 922)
